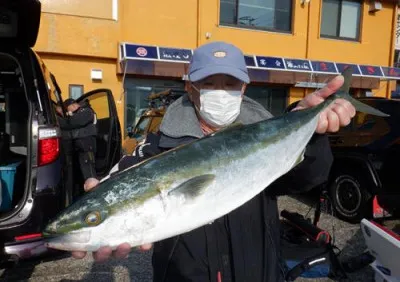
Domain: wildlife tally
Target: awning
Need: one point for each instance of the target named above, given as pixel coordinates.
(161, 61)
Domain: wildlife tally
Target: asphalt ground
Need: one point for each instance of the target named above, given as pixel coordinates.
(137, 267)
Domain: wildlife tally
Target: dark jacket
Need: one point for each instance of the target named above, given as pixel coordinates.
(80, 125)
(243, 245)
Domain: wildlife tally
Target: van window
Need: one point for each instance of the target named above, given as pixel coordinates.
(50, 87)
(100, 104)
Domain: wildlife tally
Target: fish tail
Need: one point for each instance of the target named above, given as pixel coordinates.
(343, 93)
(364, 108)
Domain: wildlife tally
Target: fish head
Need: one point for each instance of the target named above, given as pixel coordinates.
(73, 228)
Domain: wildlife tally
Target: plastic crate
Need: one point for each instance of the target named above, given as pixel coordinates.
(7, 176)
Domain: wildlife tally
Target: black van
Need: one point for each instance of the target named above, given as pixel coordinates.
(366, 162)
(33, 188)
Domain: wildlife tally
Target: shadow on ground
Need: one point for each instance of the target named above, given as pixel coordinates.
(23, 270)
(137, 267)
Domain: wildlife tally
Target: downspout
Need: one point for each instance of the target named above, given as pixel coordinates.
(198, 24)
(308, 30)
(392, 46)
(308, 39)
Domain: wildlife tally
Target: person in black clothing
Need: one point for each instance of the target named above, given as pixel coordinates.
(79, 135)
(243, 245)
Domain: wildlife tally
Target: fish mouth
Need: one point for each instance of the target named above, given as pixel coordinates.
(66, 241)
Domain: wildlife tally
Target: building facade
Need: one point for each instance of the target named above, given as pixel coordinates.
(292, 47)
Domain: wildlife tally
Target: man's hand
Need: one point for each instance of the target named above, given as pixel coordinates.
(337, 114)
(104, 253)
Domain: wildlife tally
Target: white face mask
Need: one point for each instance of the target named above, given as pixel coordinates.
(220, 108)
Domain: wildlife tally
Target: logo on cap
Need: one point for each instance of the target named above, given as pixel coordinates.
(220, 54)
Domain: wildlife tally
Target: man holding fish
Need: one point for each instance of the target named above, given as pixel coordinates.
(242, 245)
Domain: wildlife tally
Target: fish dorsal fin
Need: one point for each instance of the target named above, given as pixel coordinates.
(347, 75)
(194, 186)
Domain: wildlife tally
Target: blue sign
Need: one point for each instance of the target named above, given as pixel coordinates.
(270, 62)
(341, 67)
(371, 70)
(250, 61)
(141, 51)
(395, 94)
(297, 64)
(321, 66)
(391, 72)
(171, 54)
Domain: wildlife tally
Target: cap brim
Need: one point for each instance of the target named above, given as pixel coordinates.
(212, 70)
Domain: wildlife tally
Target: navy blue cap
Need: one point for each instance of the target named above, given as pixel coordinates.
(69, 102)
(218, 58)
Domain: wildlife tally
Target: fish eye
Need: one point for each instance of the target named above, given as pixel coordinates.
(93, 218)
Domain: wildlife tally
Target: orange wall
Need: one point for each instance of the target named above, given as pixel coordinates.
(375, 41)
(179, 23)
(73, 70)
(375, 46)
(77, 35)
(66, 34)
(255, 41)
(168, 23)
(84, 8)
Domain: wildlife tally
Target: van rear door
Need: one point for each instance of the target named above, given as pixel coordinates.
(19, 22)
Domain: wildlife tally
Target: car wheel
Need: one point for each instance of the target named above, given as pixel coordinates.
(350, 197)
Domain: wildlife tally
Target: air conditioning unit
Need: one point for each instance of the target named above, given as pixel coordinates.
(375, 6)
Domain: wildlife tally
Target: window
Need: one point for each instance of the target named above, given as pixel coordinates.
(75, 91)
(273, 15)
(137, 94)
(273, 99)
(341, 19)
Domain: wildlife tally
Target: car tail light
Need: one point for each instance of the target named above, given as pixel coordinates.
(49, 146)
(28, 237)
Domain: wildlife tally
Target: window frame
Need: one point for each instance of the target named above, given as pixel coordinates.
(71, 86)
(339, 22)
(242, 26)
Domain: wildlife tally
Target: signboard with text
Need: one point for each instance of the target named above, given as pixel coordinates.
(141, 51)
(260, 63)
(325, 67)
(250, 61)
(371, 70)
(297, 64)
(342, 66)
(172, 54)
(270, 62)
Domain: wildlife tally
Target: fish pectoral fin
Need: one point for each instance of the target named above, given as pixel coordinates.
(194, 186)
(300, 158)
(233, 125)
